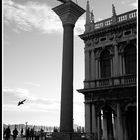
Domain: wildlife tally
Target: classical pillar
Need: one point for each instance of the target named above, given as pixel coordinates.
(125, 127)
(110, 125)
(96, 67)
(119, 123)
(105, 136)
(120, 64)
(68, 12)
(87, 118)
(87, 65)
(123, 64)
(111, 61)
(116, 62)
(94, 123)
(93, 66)
(99, 125)
(115, 123)
(99, 69)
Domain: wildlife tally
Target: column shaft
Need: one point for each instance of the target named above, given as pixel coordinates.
(119, 123)
(110, 125)
(99, 126)
(66, 121)
(96, 61)
(123, 65)
(93, 66)
(87, 118)
(115, 62)
(94, 123)
(87, 63)
(105, 136)
(120, 64)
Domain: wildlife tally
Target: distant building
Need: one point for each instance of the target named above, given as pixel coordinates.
(110, 76)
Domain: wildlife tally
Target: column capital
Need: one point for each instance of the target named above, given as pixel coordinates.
(68, 12)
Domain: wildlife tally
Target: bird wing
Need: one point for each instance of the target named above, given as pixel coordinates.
(23, 100)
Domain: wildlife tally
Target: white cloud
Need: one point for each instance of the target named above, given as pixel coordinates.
(33, 84)
(34, 15)
(134, 4)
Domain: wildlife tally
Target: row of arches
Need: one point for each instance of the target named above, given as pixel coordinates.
(107, 123)
(110, 129)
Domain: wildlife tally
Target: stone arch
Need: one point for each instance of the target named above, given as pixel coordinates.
(107, 122)
(131, 120)
(129, 105)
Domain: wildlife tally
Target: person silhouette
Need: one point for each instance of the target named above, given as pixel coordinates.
(21, 132)
(15, 133)
(32, 133)
(7, 133)
(27, 133)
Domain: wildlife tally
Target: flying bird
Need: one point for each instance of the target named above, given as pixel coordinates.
(21, 102)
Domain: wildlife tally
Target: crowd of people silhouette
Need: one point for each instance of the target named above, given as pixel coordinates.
(30, 133)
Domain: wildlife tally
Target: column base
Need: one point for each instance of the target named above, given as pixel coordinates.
(67, 136)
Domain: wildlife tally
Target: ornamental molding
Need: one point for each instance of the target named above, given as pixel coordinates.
(89, 43)
(111, 36)
(68, 12)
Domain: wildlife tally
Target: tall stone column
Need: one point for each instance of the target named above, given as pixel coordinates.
(116, 61)
(68, 12)
(119, 123)
(93, 66)
(87, 118)
(99, 125)
(87, 63)
(94, 123)
(96, 66)
(105, 130)
(120, 64)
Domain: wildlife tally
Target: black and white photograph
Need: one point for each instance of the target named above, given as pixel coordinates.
(69, 70)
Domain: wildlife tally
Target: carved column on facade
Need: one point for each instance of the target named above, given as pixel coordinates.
(87, 118)
(93, 68)
(110, 125)
(123, 65)
(105, 136)
(116, 63)
(119, 123)
(116, 66)
(120, 64)
(99, 68)
(87, 68)
(125, 126)
(111, 67)
(96, 66)
(94, 123)
(99, 125)
(115, 127)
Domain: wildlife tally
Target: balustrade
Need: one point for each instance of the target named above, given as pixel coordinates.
(120, 18)
(106, 82)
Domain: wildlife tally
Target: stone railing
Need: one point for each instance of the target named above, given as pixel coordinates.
(109, 82)
(119, 18)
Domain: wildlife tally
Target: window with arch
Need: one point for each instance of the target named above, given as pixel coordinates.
(130, 59)
(105, 64)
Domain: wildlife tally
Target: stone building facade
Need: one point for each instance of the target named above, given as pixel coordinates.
(110, 87)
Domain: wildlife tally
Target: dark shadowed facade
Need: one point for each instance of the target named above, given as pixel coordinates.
(110, 76)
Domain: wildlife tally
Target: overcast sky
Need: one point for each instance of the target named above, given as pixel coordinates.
(32, 57)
